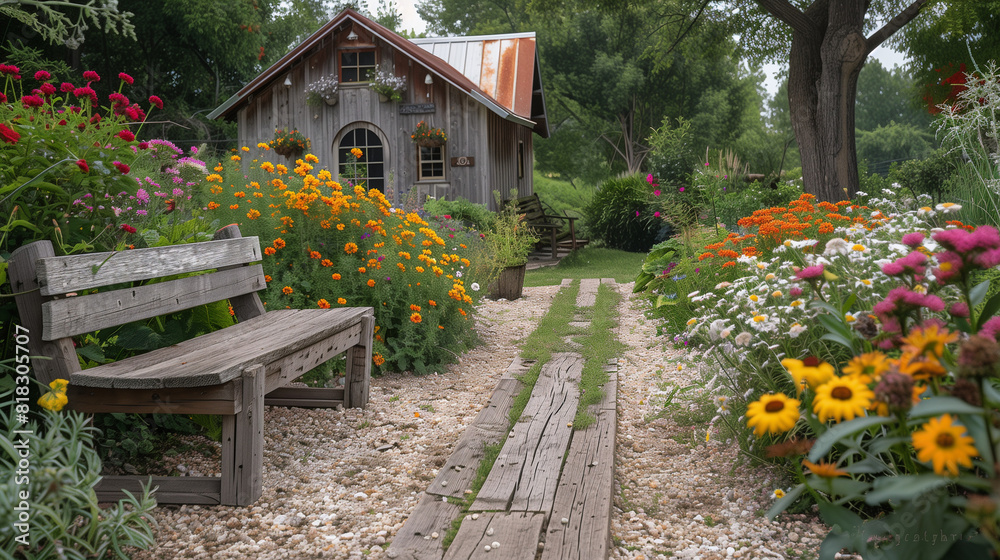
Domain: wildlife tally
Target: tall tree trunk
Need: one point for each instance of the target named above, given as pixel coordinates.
(828, 50)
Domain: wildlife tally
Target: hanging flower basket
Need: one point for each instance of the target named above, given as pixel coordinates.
(429, 142)
(428, 137)
(289, 144)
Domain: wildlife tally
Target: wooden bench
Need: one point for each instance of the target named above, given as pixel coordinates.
(232, 372)
(550, 226)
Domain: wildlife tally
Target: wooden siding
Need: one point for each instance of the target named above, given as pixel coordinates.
(473, 130)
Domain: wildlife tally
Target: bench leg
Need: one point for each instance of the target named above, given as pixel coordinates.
(359, 364)
(243, 444)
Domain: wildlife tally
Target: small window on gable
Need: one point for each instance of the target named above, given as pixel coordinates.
(357, 65)
(431, 162)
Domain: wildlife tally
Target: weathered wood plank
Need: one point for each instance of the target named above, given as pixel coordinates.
(413, 541)
(246, 306)
(72, 273)
(170, 489)
(243, 444)
(516, 533)
(359, 363)
(62, 360)
(221, 355)
(83, 314)
(488, 428)
(517, 368)
(305, 397)
(217, 399)
(525, 474)
(291, 367)
(584, 494)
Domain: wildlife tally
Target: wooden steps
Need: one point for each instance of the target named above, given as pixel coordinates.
(550, 489)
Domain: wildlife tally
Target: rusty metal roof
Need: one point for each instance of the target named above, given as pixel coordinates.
(503, 66)
(505, 72)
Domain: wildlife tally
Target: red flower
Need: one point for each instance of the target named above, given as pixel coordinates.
(86, 92)
(127, 136)
(126, 78)
(143, 145)
(122, 167)
(48, 89)
(30, 101)
(91, 76)
(66, 87)
(62, 122)
(132, 113)
(43, 76)
(154, 100)
(140, 115)
(127, 228)
(118, 99)
(9, 135)
(83, 165)
(9, 69)
(3, 97)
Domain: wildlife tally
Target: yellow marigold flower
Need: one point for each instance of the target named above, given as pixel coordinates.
(263, 146)
(858, 247)
(809, 372)
(356, 152)
(235, 157)
(371, 283)
(218, 167)
(437, 270)
(340, 227)
(419, 269)
(311, 158)
(323, 304)
(378, 359)
(341, 301)
(281, 169)
(267, 166)
(842, 398)
(350, 248)
(416, 318)
(824, 469)
(335, 276)
(214, 177)
(287, 290)
(54, 400)
(776, 293)
(691, 322)
(245, 149)
(253, 214)
(774, 413)
(944, 444)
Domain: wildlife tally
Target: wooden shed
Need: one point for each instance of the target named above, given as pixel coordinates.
(484, 92)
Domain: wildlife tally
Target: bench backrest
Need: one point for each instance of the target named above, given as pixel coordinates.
(59, 310)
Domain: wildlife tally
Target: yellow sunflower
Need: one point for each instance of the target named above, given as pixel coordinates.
(774, 413)
(867, 367)
(809, 372)
(929, 340)
(842, 398)
(824, 469)
(944, 444)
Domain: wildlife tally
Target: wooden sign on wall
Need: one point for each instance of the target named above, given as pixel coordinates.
(416, 108)
(464, 161)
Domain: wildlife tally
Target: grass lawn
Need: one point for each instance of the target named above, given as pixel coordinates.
(589, 262)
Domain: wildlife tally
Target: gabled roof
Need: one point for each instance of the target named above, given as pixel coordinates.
(503, 81)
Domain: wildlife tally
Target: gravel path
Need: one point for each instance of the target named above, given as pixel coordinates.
(340, 483)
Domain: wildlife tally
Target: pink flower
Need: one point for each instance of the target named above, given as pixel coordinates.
(959, 309)
(30, 101)
(156, 101)
(656, 192)
(680, 189)
(126, 135)
(132, 113)
(43, 76)
(810, 272)
(66, 87)
(82, 163)
(636, 213)
(91, 76)
(47, 89)
(795, 291)
(126, 78)
(913, 240)
(990, 328)
(910, 264)
(124, 168)
(118, 99)
(9, 69)
(3, 97)
(143, 145)
(86, 92)
(706, 164)
(656, 214)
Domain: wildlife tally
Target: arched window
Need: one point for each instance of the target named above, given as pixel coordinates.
(371, 166)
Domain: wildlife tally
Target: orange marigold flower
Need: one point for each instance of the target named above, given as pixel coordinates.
(350, 248)
(378, 359)
(728, 264)
(362, 270)
(213, 205)
(315, 255)
(326, 262)
(371, 283)
(705, 255)
(267, 277)
(269, 251)
(240, 194)
(728, 253)
(279, 243)
(402, 267)
(336, 276)
(341, 301)
(416, 318)
(462, 311)
(432, 303)
(323, 304)
(287, 290)
(414, 307)
(253, 214)
(234, 206)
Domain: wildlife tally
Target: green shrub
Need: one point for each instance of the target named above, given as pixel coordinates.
(741, 199)
(930, 175)
(471, 215)
(64, 518)
(620, 214)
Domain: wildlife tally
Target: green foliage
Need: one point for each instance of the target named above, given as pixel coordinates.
(65, 520)
(47, 18)
(893, 142)
(509, 240)
(564, 197)
(621, 216)
(136, 439)
(887, 96)
(742, 198)
(930, 175)
(600, 344)
(672, 156)
(469, 214)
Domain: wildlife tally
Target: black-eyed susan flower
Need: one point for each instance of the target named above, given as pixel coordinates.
(842, 398)
(944, 444)
(773, 413)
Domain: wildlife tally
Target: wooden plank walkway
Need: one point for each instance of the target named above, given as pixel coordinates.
(549, 493)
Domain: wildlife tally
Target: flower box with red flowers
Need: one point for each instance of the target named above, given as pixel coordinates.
(287, 142)
(428, 137)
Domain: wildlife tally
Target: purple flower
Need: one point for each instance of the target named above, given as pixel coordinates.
(142, 196)
(680, 189)
(636, 213)
(914, 263)
(178, 192)
(913, 240)
(810, 272)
